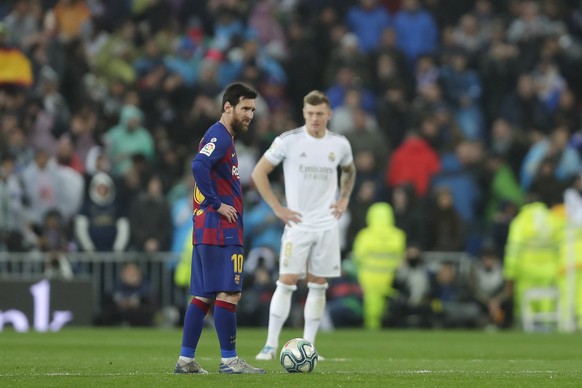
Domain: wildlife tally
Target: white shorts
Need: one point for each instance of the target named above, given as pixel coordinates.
(314, 252)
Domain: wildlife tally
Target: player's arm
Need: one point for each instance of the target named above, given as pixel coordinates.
(201, 166)
(347, 181)
(260, 176)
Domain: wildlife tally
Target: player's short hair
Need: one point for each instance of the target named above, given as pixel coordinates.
(236, 92)
(316, 97)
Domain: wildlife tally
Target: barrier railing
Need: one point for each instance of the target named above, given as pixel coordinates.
(103, 270)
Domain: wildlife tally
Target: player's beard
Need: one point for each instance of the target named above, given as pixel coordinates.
(239, 126)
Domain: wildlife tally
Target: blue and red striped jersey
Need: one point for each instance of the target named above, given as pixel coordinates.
(216, 181)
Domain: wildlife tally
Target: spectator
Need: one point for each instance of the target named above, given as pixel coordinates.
(503, 186)
(410, 306)
(102, 225)
(65, 155)
(498, 71)
(451, 302)
(12, 225)
(346, 78)
(556, 147)
(131, 302)
(348, 54)
(408, 212)
(549, 83)
(388, 46)
(71, 18)
(392, 112)
(368, 20)
(523, 109)
(262, 227)
(48, 186)
(53, 101)
(545, 184)
(415, 162)
(426, 72)
(128, 138)
(150, 219)
(185, 61)
(259, 286)
(54, 240)
(344, 304)
(509, 143)
(113, 60)
(416, 30)
(344, 117)
(530, 25)
(446, 230)
(469, 36)
(487, 288)
(462, 88)
(364, 137)
(456, 174)
(270, 34)
(22, 26)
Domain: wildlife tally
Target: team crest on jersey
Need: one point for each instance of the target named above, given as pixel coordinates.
(236, 279)
(235, 172)
(199, 211)
(331, 156)
(208, 149)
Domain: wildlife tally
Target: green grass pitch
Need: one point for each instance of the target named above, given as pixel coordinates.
(92, 357)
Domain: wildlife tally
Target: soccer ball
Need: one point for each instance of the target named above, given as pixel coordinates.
(298, 356)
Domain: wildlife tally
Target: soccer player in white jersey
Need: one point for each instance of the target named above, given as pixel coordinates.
(310, 245)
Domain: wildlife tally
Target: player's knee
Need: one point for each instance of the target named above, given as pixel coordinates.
(233, 298)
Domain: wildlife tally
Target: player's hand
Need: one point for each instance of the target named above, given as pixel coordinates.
(338, 208)
(287, 215)
(228, 212)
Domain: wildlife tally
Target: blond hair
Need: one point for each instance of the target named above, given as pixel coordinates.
(316, 97)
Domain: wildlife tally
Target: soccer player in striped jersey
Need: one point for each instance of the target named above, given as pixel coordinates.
(310, 245)
(217, 257)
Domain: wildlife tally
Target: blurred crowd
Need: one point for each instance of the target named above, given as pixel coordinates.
(459, 112)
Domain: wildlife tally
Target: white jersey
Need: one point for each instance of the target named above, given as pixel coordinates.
(311, 177)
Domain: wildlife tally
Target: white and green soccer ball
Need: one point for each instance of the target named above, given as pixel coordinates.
(298, 355)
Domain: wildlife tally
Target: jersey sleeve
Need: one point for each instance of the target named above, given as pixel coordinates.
(212, 150)
(277, 152)
(347, 157)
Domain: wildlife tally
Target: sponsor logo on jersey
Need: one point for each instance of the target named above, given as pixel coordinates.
(315, 169)
(213, 140)
(303, 155)
(331, 156)
(233, 154)
(208, 149)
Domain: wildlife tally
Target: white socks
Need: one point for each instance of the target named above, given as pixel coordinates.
(281, 306)
(279, 312)
(314, 308)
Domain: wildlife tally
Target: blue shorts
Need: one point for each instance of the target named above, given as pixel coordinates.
(215, 269)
